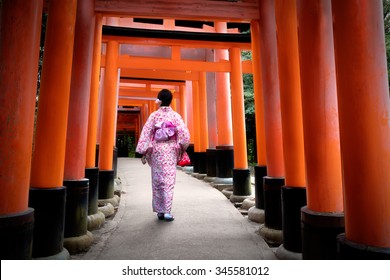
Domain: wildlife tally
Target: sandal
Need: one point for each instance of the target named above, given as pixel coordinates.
(168, 217)
(160, 216)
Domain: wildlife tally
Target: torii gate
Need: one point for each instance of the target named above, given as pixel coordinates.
(343, 115)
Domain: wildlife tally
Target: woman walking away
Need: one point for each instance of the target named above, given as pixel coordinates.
(163, 139)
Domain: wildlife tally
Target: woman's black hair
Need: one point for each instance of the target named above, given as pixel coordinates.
(165, 96)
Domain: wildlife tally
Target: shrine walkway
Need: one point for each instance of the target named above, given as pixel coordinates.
(206, 226)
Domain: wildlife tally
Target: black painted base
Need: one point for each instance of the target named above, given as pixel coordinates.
(106, 184)
(190, 152)
(319, 234)
(16, 235)
(260, 173)
(49, 208)
(92, 174)
(273, 202)
(293, 199)
(202, 161)
(225, 161)
(242, 182)
(195, 162)
(211, 162)
(348, 250)
(76, 211)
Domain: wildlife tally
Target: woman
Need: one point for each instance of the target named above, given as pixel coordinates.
(163, 139)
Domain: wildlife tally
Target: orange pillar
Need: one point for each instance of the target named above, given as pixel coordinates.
(196, 126)
(19, 52)
(225, 157)
(272, 122)
(364, 107)
(203, 133)
(173, 104)
(294, 192)
(106, 172)
(261, 167)
(77, 185)
(47, 171)
(241, 173)
(91, 169)
(183, 103)
(322, 219)
(94, 97)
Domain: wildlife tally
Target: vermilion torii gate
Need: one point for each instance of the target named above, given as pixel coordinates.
(321, 116)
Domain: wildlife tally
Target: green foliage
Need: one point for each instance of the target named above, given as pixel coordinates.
(249, 111)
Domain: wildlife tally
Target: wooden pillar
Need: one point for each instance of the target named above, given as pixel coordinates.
(76, 212)
(47, 194)
(322, 219)
(294, 191)
(203, 133)
(241, 173)
(273, 124)
(91, 169)
(183, 103)
(20, 28)
(225, 157)
(106, 147)
(173, 104)
(257, 213)
(196, 120)
(364, 109)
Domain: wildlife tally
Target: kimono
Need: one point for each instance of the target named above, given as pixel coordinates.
(162, 140)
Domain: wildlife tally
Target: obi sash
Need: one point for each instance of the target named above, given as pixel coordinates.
(164, 131)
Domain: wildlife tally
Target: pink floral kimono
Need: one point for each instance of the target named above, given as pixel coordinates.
(162, 139)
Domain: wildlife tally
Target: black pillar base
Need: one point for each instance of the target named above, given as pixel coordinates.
(92, 174)
(242, 182)
(293, 199)
(202, 161)
(211, 162)
(16, 235)
(106, 184)
(319, 234)
(76, 210)
(225, 161)
(195, 162)
(49, 208)
(260, 173)
(190, 152)
(273, 202)
(348, 250)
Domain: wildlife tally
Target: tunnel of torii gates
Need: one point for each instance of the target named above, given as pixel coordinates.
(321, 95)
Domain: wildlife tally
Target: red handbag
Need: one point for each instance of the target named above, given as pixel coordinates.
(184, 160)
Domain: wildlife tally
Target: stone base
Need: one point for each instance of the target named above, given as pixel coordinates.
(248, 203)
(256, 215)
(209, 179)
(107, 209)
(199, 176)
(63, 255)
(96, 221)
(78, 244)
(238, 198)
(114, 201)
(228, 192)
(273, 237)
(223, 181)
(188, 169)
(221, 187)
(284, 254)
(348, 250)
